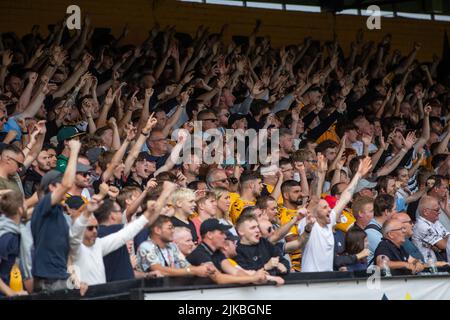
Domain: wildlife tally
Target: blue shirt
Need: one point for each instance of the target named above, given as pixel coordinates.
(9, 251)
(413, 251)
(50, 230)
(374, 237)
(11, 124)
(117, 263)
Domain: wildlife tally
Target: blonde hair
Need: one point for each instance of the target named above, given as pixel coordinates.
(219, 192)
(181, 194)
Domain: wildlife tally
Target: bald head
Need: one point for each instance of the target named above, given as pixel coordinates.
(429, 208)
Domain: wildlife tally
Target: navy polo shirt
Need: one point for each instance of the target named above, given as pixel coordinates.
(50, 230)
(117, 263)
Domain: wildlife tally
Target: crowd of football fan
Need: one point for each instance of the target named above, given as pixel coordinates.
(92, 189)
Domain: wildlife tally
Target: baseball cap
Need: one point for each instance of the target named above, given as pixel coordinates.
(212, 225)
(66, 133)
(93, 154)
(81, 168)
(51, 177)
(235, 117)
(75, 202)
(365, 184)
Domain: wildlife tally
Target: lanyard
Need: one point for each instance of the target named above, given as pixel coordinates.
(166, 264)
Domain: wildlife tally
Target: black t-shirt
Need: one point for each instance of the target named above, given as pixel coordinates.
(178, 223)
(394, 253)
(254, 257)
(130, 182)
(203, 254)
(117, 263)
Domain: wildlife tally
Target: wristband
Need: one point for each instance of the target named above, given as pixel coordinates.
(308, 231)
(144, 134)
(24, 132)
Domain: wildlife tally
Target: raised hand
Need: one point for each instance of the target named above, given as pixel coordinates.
(310, 221)
(258, 88)
(151, 123)
(94, 204)
(184, 98)
(32, 77)
(109, 99)
(7, 58)
(74, 145)
(151, 184)
(322, 165)
(410, 140)
(299, 166)
(130, 131)
(149, 93)
(113, 192)
(364, 166)
(112, 122)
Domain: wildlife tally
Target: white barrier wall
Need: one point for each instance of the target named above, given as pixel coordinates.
(421, 288)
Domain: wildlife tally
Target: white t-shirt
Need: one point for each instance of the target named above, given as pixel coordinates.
(318, 254)
(426, 234)
(359, 147)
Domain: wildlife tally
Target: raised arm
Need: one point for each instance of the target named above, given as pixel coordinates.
(69, 175)
(425, 136)
(118, 155)
(132, 156)
(346, 196)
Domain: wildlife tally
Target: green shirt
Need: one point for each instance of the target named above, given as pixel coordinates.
(9, 184)
(61, 163)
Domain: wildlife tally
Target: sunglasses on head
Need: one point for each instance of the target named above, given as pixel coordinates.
(91, 228)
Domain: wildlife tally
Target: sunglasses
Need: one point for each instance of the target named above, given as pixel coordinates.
(212, 120)
(91, 228)
(19, 164)
(84, 174)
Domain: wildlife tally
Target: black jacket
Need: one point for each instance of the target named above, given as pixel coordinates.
(254, 257)
(31, 182)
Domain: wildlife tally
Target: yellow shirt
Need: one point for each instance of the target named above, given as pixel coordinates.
(270, 190)
(237, 205)
(330, 134)
(285, 216)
